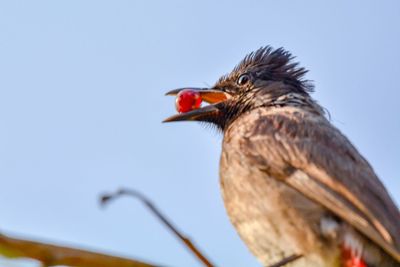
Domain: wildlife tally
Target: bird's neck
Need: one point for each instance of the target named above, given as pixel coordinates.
(268, 101)
(293, 100)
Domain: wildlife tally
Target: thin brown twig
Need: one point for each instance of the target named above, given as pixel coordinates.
(286, 260)
(106, 198)
(54, 255)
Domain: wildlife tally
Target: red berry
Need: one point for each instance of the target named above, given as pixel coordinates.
(187, 100)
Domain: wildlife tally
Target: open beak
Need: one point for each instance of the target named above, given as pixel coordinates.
(211, 96)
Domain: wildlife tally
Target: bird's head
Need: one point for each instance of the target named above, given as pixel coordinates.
(258, 80)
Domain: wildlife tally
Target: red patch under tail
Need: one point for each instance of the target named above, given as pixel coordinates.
(351, 259)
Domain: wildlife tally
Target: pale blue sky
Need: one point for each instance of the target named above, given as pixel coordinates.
(82, 99)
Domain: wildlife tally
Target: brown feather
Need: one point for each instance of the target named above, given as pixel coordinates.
(331, 171)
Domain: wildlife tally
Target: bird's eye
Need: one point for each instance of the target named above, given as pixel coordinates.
(243, 79)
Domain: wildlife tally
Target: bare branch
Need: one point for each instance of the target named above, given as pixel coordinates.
(286, 260)
(53, 255)
(106, 198)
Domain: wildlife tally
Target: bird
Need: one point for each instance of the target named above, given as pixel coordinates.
(294, 187)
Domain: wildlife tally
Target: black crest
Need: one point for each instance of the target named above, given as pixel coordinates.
(272, 64)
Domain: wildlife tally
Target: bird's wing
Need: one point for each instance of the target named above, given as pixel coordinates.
(312, 156)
